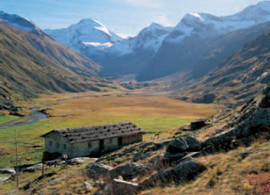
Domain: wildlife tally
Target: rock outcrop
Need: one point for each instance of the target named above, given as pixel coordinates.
(250, 123)
(184, 144)
(129, 171)
(183, 172)
(96, 170)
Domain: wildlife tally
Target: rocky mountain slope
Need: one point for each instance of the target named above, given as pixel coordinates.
(200, 42)
(32, 63)
(240, 76)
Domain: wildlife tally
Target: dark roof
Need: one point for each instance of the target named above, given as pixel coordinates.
(82, 134)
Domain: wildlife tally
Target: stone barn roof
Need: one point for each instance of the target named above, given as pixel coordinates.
(82, 134)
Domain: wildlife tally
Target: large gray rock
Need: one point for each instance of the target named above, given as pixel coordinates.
(119, 187)
(183, 172)
(98, 170)
(33, 168)
(184, 144)
(129, 171)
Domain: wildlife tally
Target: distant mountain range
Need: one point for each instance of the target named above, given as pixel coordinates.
(202, 55)
(116, 55)
(192, 47)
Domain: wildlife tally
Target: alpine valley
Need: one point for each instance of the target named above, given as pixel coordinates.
(172, 110)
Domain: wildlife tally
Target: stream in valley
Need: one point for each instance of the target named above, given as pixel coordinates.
(34, 117)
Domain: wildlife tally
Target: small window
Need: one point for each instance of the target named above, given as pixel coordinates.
(89, 144)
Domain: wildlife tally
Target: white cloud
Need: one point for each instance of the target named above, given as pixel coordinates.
(143, 3)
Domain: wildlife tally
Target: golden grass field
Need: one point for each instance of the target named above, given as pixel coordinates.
(153, 113)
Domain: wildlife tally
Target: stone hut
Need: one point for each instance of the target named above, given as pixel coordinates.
(90, 141)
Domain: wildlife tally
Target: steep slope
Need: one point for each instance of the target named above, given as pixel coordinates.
(239, 77)
(116, 55)
(190, 46)
(34, 63)
(20, 22)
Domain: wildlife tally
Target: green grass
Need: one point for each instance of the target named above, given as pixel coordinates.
(5, 119)
(154, 114)
(31, 133)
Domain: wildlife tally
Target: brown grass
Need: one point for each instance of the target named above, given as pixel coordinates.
(229, 174)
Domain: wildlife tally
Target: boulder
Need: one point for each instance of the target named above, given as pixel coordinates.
(76, 161)
(88, 185)
(7, 171)
(188, 170)
(183, 172)
(120, 187)
(184, 144)
(33, 168)
(97, 170)
(3, 179)
(170, 158)
(129, 171)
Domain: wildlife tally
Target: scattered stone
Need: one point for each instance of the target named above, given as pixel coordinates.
(7, 171)
(97, 170)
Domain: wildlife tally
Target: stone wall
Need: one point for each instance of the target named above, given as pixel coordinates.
(55, 143)
(110, 144)
(132, 139)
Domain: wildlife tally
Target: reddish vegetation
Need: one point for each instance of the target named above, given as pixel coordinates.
(261, 183)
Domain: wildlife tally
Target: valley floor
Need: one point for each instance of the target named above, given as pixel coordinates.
(153, 113)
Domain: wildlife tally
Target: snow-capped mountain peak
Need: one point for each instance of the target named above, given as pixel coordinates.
(86, 33)
(206, 25)
(91, 23)
(19, 22)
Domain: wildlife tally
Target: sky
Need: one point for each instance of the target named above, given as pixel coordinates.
(125, 17)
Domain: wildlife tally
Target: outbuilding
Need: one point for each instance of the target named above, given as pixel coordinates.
(90, 141)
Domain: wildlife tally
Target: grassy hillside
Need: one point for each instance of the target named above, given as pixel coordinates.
(34, 63)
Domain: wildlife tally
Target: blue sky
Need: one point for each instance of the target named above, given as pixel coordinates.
(126, 17)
